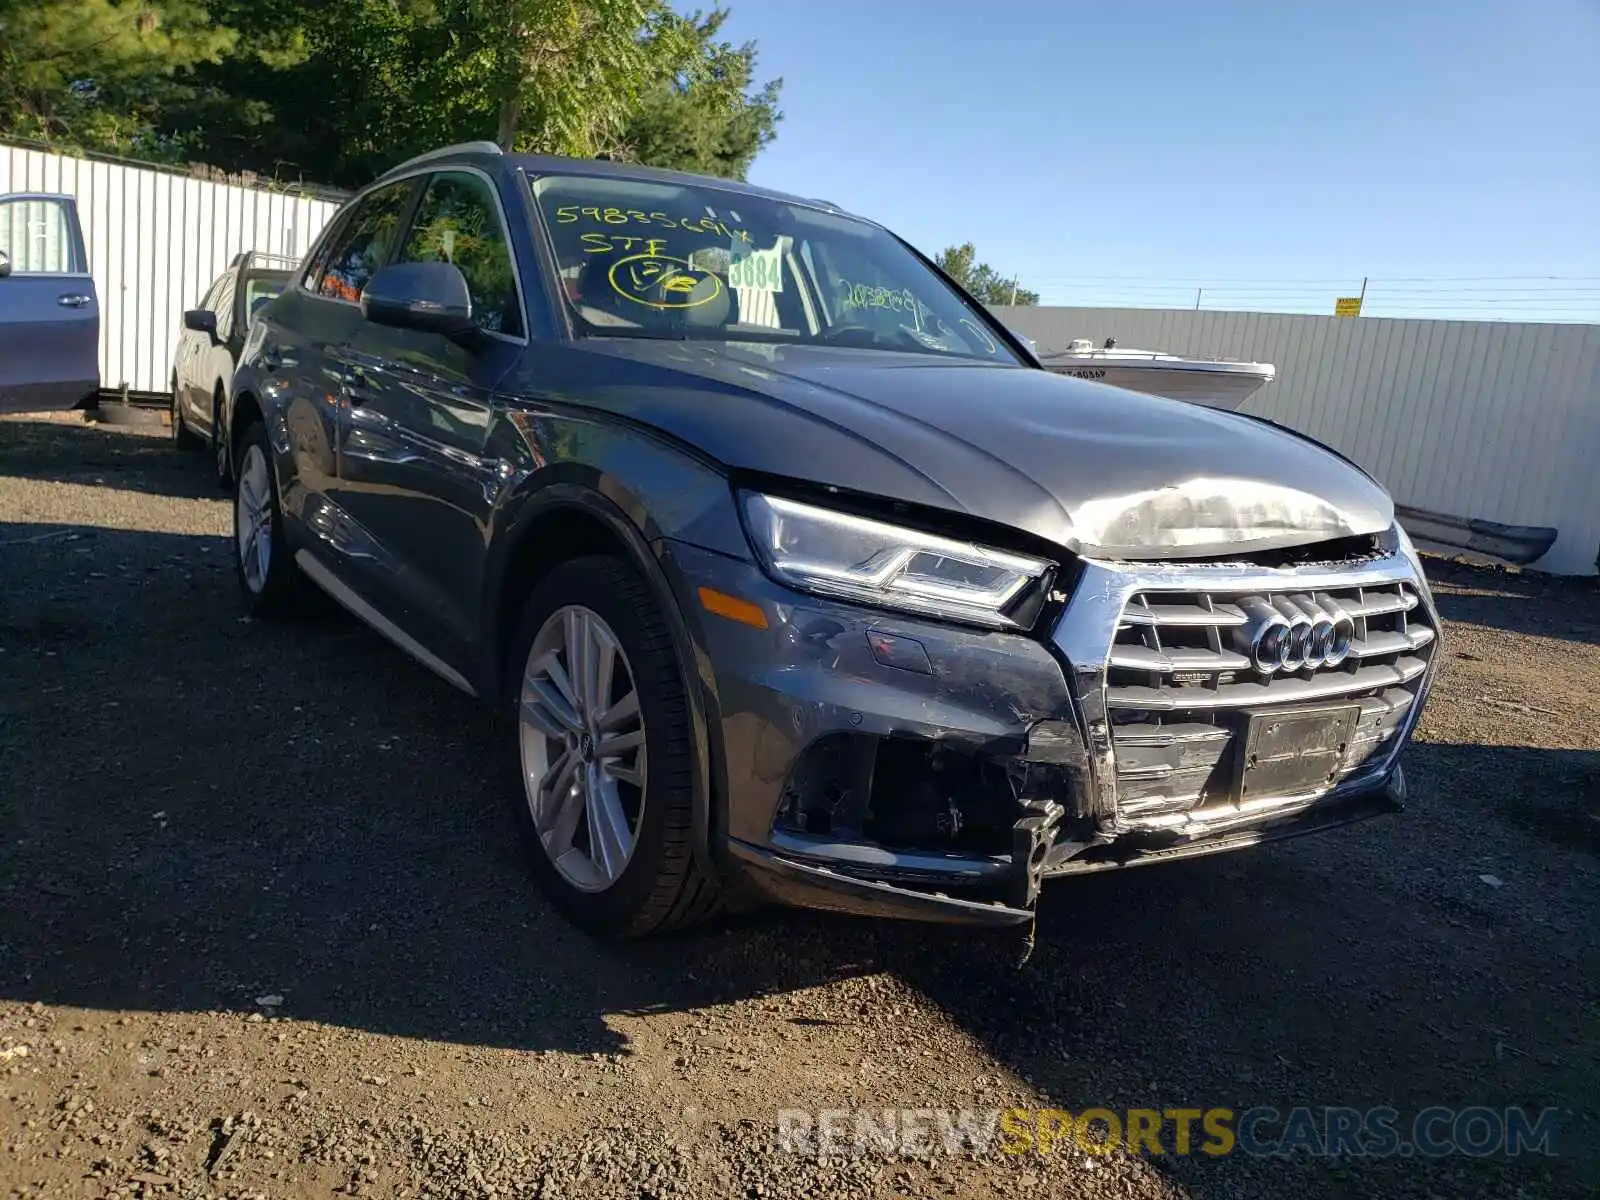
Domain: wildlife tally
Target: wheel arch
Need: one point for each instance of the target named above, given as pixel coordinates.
(246, 406)
(568, 519)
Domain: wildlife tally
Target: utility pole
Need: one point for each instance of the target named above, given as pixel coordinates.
(1014, 290)
(1197, 293)
(1360, 303)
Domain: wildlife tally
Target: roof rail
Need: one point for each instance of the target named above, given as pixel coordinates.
(483, 147)
(250, 258)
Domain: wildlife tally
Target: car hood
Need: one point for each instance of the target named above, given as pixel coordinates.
(1092, 468)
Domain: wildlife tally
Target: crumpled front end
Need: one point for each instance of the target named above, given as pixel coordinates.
(886, 765)
(1229, 703)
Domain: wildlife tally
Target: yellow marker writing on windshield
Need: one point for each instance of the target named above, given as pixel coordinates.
(660, 282)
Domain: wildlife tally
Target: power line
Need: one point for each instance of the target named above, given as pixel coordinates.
(1559, 309)
(1208, 300)
(1276, 290)
(1208, 279)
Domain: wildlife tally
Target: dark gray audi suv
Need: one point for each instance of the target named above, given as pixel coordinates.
(794, 573)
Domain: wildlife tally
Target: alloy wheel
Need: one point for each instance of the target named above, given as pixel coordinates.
(583, 748)
(253, 523)
(219, 445)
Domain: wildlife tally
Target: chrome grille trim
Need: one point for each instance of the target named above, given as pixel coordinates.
(1377, 606)
(1377, 644)
(1141, 613)
(1181, 658)
(1121, 597)
(1286, 690)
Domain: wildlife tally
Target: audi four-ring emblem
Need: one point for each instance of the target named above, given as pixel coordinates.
(1294, 632)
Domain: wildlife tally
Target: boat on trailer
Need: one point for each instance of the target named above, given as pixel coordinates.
(1214, 382)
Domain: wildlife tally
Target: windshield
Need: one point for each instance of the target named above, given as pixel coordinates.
(645, 259)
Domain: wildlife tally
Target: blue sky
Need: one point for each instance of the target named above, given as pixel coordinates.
(1273, 153)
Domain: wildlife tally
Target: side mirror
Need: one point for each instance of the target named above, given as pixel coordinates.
(201, 320)
(5, 264)
(428, 296)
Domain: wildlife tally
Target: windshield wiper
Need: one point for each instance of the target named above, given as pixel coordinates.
(610, 331)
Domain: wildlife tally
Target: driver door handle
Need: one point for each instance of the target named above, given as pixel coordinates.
(74, 300)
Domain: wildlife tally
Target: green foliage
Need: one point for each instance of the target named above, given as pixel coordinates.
(332, 92)
(335, 91)
(562, 75)
(702, 115)
(982, 281)
(97, 74)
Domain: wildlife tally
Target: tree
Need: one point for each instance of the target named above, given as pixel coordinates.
(982, 281)
(335, 91)
(702, 115)
(563, 75)
(96, 74)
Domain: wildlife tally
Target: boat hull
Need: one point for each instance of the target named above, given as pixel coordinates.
(1226, 386)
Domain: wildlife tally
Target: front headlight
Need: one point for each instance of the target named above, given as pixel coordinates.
(838, 554)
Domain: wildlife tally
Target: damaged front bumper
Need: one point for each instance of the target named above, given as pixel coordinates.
(879, 764)
(832, 877)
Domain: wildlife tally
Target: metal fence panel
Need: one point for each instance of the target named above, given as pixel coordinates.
(156, 239)
(1493, 420)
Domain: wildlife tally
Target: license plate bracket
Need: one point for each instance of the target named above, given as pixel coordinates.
(1294, 751)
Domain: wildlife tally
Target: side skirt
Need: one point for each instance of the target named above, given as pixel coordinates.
(331, 583)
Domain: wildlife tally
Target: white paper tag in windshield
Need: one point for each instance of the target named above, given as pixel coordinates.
(755, 270)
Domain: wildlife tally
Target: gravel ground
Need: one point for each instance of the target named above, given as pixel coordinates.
(264, 930)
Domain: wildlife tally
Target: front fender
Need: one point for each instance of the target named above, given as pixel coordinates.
(645, 493)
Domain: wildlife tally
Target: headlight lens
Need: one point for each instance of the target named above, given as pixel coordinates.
(838, 554)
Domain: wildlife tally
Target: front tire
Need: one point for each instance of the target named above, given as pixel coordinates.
(268, 577)
(603, 742)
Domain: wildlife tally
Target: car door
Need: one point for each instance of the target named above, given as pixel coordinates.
(306, 344)
(414, 465)
(188, 358)
(49, 313)
(212, 361)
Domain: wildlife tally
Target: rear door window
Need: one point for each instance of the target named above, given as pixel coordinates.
(311, 280)
(363, 244)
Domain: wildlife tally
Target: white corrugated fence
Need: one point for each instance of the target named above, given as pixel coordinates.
(1492, 420)
(156, 239)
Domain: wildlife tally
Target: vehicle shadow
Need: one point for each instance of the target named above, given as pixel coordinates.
(1556, 606)
(64, 449)
(198, 810)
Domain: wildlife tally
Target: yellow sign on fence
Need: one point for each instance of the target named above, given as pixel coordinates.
(1347, 306)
